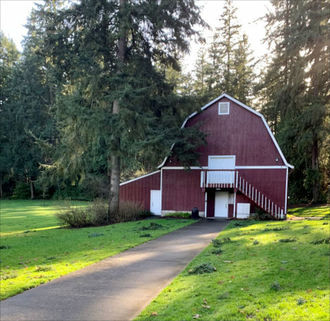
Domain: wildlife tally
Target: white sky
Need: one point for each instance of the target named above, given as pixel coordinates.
(14, 14)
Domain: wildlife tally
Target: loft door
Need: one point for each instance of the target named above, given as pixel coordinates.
(221, 162)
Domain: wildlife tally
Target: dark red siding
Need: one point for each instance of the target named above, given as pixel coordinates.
(271, 182)
(181, 190)
(210, 202)
(241, 133)
(138, 191)
(230, 210)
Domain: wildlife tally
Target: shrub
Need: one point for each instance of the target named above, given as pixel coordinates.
(96, 214)
(184, 215)
(75, 217)
(261, 215)
(129, 211)
(99, 212)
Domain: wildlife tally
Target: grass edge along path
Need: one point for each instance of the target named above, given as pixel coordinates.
(265, 271)
(33, 256)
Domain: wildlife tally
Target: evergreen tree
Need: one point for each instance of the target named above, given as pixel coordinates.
(243, 76)
(228, 39)
(113, 97)
(229, 66)
(296, 88)
(9, 56)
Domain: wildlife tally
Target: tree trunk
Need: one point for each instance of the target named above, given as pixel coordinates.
(114, 173)
(315, 168)
(31, 189)
(115, 159)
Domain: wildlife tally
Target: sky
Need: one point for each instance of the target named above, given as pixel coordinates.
(14, 14)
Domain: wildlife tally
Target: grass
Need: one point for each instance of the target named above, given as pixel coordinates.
(255, 276)
(34, 249)
(310, 211)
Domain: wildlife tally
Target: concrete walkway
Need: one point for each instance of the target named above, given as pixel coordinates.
(117, 288)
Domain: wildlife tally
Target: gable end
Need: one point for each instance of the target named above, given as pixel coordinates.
(245, 107)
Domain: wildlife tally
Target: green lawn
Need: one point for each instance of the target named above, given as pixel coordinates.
(310, 211)
(257, 277)
(35, 250)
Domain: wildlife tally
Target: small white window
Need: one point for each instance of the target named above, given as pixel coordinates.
(223, 108)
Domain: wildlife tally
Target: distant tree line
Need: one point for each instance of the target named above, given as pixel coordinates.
(98, 96)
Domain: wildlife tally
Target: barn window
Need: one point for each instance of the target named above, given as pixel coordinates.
(223, 108)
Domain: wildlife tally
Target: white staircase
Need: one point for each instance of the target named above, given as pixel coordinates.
(259, 198)
(232, 179)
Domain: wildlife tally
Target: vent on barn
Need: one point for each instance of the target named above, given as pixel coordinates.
(223, 108)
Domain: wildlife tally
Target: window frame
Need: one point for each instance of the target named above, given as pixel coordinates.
(227, 104)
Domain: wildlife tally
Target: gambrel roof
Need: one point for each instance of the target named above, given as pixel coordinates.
(243, 106)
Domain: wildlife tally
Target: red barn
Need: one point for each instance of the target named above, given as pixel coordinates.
(242, 168)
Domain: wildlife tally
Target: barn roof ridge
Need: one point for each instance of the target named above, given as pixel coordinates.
(242, 105)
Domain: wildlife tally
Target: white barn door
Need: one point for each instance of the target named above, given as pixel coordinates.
(221, 204)
(155, 202)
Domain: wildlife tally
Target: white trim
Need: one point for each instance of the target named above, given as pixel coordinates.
(247, 108)
(161, 190)
(275, 142)
(236, 167)
(182, 167)
(234, 209)
(135, 179)
(205, 205)
(165, 159)
(261, 167)
(286, 191)
(219, 108)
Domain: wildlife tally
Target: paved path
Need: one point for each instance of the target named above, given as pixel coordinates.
(117, 288)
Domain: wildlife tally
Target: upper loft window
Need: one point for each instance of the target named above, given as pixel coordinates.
(223, 108)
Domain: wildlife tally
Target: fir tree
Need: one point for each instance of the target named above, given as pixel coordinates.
(9, 56)
(112, 93)
(296, 86)
(229, 66)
